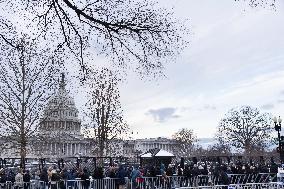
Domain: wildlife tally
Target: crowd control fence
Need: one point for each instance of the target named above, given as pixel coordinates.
(240, 181)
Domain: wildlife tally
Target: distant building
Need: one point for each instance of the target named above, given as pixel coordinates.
(145, 145)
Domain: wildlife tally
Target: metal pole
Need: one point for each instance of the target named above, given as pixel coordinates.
(279, 145)
(282, 150)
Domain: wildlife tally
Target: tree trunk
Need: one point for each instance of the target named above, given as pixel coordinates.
(248, 150)
(23, 112)
(23, 151)
(101, 152)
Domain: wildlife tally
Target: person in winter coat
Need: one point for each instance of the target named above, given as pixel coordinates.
(43, 177)
(69, 176)
(19, 182)
(98, 173)
(54, 179)
(26, 179)
(11, 176)
(85, 177)
(2, 178)
(120, 175)
(223, 176)
(134, 175)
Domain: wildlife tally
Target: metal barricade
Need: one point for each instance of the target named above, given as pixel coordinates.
(238, 181)
(104, 183)
(240, 186)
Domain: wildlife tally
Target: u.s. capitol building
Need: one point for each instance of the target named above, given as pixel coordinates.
(59, 134)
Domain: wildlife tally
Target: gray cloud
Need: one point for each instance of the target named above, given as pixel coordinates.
(163, 114)
(282, 92)
(210, 107)
(267, 106)
(207, 107)
(280, 101)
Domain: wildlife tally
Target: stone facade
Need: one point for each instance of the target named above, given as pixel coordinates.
(145, 145)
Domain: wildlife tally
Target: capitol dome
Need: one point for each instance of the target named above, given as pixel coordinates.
(61, 105)
(60, 116)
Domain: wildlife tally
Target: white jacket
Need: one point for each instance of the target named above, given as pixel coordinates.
(19, 180)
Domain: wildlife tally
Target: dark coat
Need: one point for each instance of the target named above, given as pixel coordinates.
(120, 175)
(98, 173)
(44, 176)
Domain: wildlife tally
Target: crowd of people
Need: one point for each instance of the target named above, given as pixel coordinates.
(53, 177)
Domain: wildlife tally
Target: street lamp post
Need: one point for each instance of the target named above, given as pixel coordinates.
(78, 162)
(277, 127)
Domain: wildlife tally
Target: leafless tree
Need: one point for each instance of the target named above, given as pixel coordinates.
(130, 32)
(245, 128)
(184, 142)
(261, 3)
(104, 110)
(219, 149)
(26, 82)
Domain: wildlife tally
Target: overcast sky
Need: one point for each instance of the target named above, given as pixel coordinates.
(235, 57)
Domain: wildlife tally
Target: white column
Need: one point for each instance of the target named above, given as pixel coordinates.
(51, 148)
(68, 149)
(55, 149)
(65, 147)
(72, 149)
